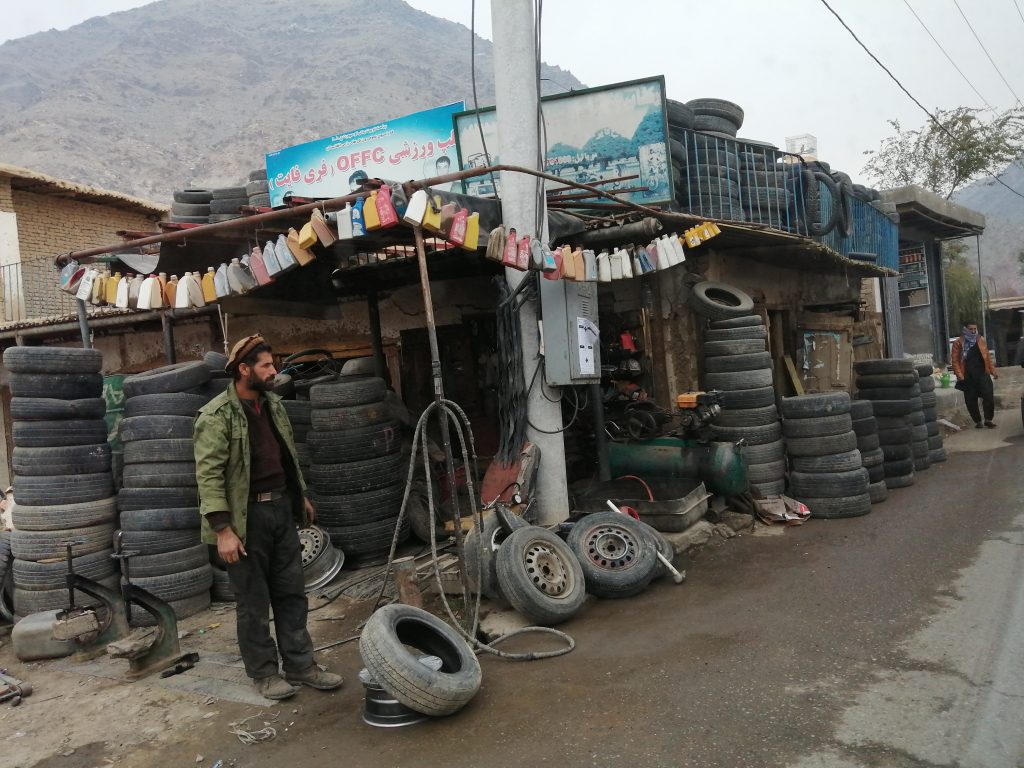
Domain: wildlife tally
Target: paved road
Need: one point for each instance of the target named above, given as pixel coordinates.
(892, 640)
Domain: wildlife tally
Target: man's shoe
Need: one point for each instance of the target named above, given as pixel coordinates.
(990, 424)
(978, 425)
(274, 687)
(315, 677)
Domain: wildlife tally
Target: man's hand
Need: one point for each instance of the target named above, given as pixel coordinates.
(310, 511)
(995, 375)
(229, 546)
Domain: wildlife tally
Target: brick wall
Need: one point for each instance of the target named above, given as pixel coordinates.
(50, 225)
(6, 201)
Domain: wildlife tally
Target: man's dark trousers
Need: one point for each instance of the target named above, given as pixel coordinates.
(270, 576)
(976, 386)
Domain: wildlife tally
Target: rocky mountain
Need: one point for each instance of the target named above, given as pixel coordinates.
(1003, 241)
(194, 93)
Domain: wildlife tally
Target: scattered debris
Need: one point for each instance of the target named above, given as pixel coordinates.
(266, 733)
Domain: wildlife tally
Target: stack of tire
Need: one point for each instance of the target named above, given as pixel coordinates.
(929, 403)
(63, 486)
(218, 382)
(159, 501)
(709, 182)
(765, 187)
(680, 126)
(257, 189)
(895, 394)
(872, 458)
(300, 414)
(737, 365)
(219, 377)
(716, 116)
(826, 469)
(191, 206)
(357, 474)
(226, 203)
(6, 579)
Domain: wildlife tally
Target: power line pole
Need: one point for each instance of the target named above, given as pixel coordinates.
(515, 87)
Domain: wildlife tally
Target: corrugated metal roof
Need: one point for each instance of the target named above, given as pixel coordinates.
(34, 181)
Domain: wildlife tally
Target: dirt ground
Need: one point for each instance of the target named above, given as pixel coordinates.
(750, 662)
(75, 719)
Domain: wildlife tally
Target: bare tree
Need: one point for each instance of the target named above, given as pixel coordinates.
(965, 144)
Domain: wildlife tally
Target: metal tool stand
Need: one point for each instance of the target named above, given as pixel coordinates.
(90, 630)
(162, 651)
(98, 631)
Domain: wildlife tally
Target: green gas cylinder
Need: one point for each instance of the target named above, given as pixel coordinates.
(720, 466)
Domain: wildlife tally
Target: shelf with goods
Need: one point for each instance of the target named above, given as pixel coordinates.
(913, 279)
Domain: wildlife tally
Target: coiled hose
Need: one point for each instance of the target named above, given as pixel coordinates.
(460, 422)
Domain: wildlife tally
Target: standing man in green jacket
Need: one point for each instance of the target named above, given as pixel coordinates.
(252, 497)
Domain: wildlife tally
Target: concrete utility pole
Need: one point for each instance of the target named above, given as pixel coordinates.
(515, 87)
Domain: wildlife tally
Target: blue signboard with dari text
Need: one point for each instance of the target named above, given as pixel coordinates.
(417, 146)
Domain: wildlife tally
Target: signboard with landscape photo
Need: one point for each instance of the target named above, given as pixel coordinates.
(614, 137)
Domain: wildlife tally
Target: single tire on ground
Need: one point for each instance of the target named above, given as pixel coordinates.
(540, 576)
(391, 644)
(616, 555)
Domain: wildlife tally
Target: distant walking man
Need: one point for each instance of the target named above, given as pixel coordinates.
(251, 497)
(974, 373)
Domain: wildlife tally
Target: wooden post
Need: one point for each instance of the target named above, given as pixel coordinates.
(404, 572)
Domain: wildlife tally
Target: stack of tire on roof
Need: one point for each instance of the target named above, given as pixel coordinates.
(872, 458)
(357, 473)
(826, 469)
(191, 206)
(929, 403)
(63, 486)
(893, 388)
(159, 501)
(257, 189)
(766, 187)
(226, 203)
(736, 363)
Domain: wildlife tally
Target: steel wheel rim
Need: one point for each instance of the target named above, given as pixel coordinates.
(547, 571)
(321, 562)
(612, 548)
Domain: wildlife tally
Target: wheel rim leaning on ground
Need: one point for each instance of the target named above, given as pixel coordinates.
(540, 576)
(385, 649)
(617, 555)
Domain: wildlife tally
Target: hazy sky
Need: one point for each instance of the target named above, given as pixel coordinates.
(788, 63)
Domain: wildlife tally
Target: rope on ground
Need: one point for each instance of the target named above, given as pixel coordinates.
(459, 420)
(266, 733)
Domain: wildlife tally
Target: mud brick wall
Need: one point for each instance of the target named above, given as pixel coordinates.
(49, 225)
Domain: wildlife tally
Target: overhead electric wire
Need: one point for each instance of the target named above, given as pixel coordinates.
(903, 88)
(991, 60)
(476, 104)
(946, 53)
(1019, 12)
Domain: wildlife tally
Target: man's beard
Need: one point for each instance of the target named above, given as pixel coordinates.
(261, 386)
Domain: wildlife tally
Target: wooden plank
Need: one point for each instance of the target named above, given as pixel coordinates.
(794, 378)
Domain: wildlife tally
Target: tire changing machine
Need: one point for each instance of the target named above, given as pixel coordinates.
(99, 630)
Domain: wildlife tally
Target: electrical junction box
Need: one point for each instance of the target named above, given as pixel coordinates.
(572, 342)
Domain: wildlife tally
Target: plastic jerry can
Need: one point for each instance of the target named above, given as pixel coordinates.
(386, 213)
(358, 226)
(209, 289)
(371, 218)
(416, 209)
(472, 239)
